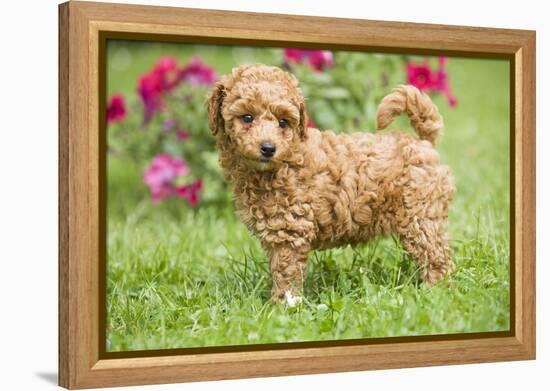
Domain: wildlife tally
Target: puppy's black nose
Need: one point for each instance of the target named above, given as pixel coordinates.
(267, 149)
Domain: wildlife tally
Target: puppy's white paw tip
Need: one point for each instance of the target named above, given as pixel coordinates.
(291, 300)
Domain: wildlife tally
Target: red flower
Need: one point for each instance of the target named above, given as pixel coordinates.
(424, 78)
(317, 59)
(190, 192)
(196, 72)
(321, 59)
(169, 73)
(153, 84)
(420, 76)
(182, 135)
(294, 55)
(116, 109)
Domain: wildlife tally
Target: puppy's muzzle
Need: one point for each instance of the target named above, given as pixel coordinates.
(267, 150)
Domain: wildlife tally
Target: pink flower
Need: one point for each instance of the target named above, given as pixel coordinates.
(426, 79)
(167, 69)
(321, 59)
(161, 175)
(196, 72)
(420, 76)
(317, 59)
(116, 109)
(182, 135)
(190, 192)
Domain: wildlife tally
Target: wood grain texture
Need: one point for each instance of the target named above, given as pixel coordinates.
(528, 197)
(80, 25)
(63, 178)
(292, 28)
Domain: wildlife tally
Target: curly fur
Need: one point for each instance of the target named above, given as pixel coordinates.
(323, 189)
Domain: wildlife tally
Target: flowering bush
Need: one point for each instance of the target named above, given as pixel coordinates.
(317, 59)
(168, 130)
(345, 94)
(163, 128)
(165, 77)
(427, 79)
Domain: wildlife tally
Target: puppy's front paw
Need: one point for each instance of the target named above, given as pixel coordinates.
(288, 297)
(291, 300)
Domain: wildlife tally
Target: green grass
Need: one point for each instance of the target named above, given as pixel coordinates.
(202, 281)
(188, 278)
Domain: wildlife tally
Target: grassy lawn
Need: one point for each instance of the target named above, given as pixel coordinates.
(179, 277)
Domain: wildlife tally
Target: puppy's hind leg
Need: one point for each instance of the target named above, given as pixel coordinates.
(426, 241)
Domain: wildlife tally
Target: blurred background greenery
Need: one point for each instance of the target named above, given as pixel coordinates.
(184, 273)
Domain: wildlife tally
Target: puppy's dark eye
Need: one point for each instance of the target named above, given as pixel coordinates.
(247, 118)
(283, 123)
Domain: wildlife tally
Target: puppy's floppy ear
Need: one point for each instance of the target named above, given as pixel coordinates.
(214, 107)
(302, 126)
(299, 99)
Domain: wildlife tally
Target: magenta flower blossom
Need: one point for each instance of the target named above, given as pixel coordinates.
(162, 177)
(167, 75)
(183, 135)
(321, 59)
(294, 55)
(190, 192)
(420, 76)
(423, 77)
(162, 78)
(116, 109)
(162, 174)
(317, 59)
(196, 73)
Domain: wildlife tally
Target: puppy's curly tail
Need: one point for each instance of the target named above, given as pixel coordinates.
(423, 114)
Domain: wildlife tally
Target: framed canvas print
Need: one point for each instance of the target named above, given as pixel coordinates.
(247, 195)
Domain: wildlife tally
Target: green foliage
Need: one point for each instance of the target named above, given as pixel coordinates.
(345, 98)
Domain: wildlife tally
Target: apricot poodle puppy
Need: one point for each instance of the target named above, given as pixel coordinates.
(299, 189)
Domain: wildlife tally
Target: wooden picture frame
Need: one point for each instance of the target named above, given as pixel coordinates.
(84, 26)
